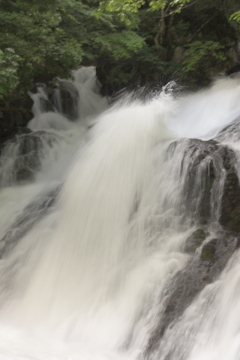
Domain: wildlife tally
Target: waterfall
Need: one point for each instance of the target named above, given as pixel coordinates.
(78, 100)
(100, 209)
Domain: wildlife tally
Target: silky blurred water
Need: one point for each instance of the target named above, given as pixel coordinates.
(88, 277)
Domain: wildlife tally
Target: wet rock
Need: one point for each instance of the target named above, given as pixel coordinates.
(33, 212)
(230, 132)
(209, 249)
(28, 159)
(7, 124)
(201, 270)
(26, 173)
(200, 177)
(230, 203)
(23, 130)
(46, 105)
(18, 114)
(26, 152)
(30, 154)
(61, 96)
(235, 69)
(195, 240)
(18, 131)
(212, 195)
(65, 98)
(211, 188)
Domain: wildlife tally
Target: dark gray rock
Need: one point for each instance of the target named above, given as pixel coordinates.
(230, 132)
(211, 188)
(211, 193)
(201, 270)
(200, 157)
(64, 98)
(230, 202)
(33, 212)
(13, 117)
(195, 240)
(209, 250)
(27, 150)
(17, 131)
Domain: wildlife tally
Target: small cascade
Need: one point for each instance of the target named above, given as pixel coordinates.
(75, 100)
(41, 103)
(21, 157)
(65, 99)
(119, 226)
(91, 102)
(52, 132)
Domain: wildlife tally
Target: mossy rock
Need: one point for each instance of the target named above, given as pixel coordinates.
(209, 163)
(208, 250)
(200, 157)
(29, 147)
(64, 98)
(233, 223)
(195, 240)
(230, 204)
(25, 174)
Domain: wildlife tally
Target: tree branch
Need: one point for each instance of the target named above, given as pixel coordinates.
(161, 28)
(202, 26)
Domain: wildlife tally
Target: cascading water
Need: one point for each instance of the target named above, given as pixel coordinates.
(92, 241)
(83, 95)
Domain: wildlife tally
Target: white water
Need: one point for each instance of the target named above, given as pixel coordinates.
(202, 115)
(88, 279)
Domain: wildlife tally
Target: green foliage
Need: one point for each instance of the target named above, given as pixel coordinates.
(235, 16)
(198, 50)
(121, 5)
(42, 39)
(9, 64)
(134, 5)
(121, 44)
(143, 68)
(49, 38)
(34, 34)
(148, 59)
(174, 5)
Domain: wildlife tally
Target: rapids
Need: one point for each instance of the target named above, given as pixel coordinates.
(90, 244)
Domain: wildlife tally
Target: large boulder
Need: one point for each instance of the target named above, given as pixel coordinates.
(202, 269)
(230, 201)
(195, 240)
(211, 188)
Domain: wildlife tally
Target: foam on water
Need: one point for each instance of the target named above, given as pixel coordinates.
(204, 114)
(88, 279)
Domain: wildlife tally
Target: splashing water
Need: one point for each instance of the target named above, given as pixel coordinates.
(99, 233)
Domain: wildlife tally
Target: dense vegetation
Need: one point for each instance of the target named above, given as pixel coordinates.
(130, 41)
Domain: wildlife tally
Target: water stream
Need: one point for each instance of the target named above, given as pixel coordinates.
(91, 241)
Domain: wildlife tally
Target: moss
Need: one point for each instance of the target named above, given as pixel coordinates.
(227, 165)
(200, 234)
(230, 208)
(234, 223)
(195, 240)
(205, 207)
(208, 250)
(201, 157)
